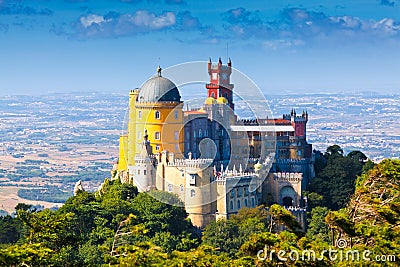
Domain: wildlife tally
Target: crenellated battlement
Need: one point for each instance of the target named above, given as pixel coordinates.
(288, 176)
(192, 163)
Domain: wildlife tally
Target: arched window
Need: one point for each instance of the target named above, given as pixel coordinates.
(192, 193)
(140, 114)
(157, 135)
(252, 203)
(157, 114)
(231, 205)
(170, 187)
(212, 95)
(176, 115)
(245, 202)
(246, 191)
(239, 192)
(238, 204)
(182, 188)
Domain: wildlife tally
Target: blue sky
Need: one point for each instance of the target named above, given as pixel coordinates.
(115, 45)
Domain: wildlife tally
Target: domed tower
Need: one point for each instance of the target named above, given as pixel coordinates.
(155, 114)
(158, 109)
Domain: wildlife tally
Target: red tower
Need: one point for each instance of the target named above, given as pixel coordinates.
(220, 85)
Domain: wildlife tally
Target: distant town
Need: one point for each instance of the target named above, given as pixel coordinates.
(49, 142)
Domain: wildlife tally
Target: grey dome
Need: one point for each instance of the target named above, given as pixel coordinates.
(158, 89)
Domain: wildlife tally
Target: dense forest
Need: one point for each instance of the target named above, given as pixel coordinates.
(354, 207)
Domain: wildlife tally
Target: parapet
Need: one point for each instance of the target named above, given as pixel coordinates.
(288, 176)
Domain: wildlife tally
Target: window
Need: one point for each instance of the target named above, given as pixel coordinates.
(192, 179)
(145, 172)
(157, 135)
(252, 203)
(239, 192)
(140, 114)
(246, 192)
(176, 115)
(157, 115)
(176, 135)
(233, 193)
(182, 188)
(138, 172)
(200, 133)
(157, 147)
(194, 133)
(231, 205)
(192, 193)
(212, 95)
(170, 187)
(176, 147)
(226, 95)
(245, 202)
(238, 204)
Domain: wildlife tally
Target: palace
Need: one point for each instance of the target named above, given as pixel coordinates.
(214, 161)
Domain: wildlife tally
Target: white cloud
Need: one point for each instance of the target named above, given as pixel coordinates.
(115, 25)
(88, 20)
(144, 18)
(347, 21)
(282, 43)
(388, 26)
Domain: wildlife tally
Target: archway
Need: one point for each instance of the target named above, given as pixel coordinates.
(288, 197)
(287, 201)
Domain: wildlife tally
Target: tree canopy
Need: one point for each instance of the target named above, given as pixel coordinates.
(118, 226)
(335, 176)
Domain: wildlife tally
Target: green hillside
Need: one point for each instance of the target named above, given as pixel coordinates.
(118, 226)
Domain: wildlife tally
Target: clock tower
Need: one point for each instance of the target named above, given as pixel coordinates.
(220, 85)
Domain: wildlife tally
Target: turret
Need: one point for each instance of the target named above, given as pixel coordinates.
(293, 115)
(305, 115)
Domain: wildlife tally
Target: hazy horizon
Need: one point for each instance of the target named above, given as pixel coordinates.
(273, 93)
